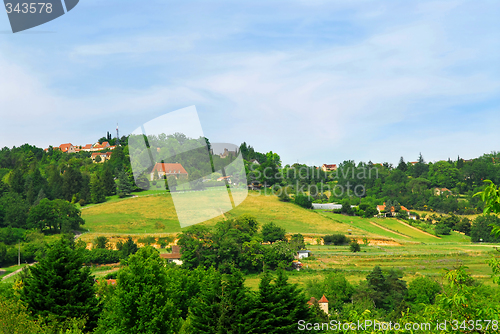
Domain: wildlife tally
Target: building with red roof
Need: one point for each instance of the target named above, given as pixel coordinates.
(166, 169)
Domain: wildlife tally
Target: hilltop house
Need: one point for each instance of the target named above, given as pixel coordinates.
(329, 168)
(174, 257)
(392, 212)
(166, 169)
(103, 155)
(254, 161)
(67, 148)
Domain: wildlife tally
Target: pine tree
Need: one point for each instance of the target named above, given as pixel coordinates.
(97, 190)
(59, 288)
(109, 182)
(124, 187)
(278, 306)
(402, 165)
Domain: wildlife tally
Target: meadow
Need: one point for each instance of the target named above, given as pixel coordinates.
(391, 243)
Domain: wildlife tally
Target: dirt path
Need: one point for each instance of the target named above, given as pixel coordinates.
(389, 230)
(17, 271)
(416, 229)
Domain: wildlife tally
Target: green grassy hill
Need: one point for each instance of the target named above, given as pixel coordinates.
(153, 213)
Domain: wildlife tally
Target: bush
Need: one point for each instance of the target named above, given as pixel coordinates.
(354, 246)
(336, 239)
(303, 201)
(442, 229)
(82, 202)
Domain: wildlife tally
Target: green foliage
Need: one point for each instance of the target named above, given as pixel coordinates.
(57, 215)
(303, 201)
(272, 232)
(141, 302)
(127, 248)
(124, 187)
(422, 290)
(59, 288)
(354, 246)
(442, 229)
(101, 242)
(483, 227)
(297, 242)
(336, 239)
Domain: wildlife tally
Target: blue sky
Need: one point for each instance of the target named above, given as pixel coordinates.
(315, 81)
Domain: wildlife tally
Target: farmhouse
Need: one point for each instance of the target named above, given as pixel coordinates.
(174, 257)
(329, 168)
(167, 169)
(392, 212)
(303, 253)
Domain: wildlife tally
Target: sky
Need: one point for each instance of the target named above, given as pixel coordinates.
(314, 81)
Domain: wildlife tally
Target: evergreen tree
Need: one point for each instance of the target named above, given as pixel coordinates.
(141, 303)
(97, 191)
(278, 306)
(402, 165)
(59, 288)
(124, 187)
(72, 179)
(108, 181)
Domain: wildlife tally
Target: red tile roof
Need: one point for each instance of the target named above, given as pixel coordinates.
(169, 168)
(65, 147)
(323, 300)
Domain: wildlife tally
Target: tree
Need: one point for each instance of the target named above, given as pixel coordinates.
(297, 242)
(141, 303)
(303, 201)
(223, 306)
(482, 229)
(127, 248)
(97, 191)
(60, 288)
(272, 232)
(402, 165)
(278, 306)
(124, 187)
(101, 242)
(108, 182)
(58, 214)
(354, 246)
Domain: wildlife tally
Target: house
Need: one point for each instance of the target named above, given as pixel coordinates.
(174, 257)
(440, 191)
(103, 155)
(111, 281)
(392, 212)
(166, 169)
(67, 148)
(329, 168)
(323, 303)
(303, 253)
(224, 178)
(254, 161)
(87, 148)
